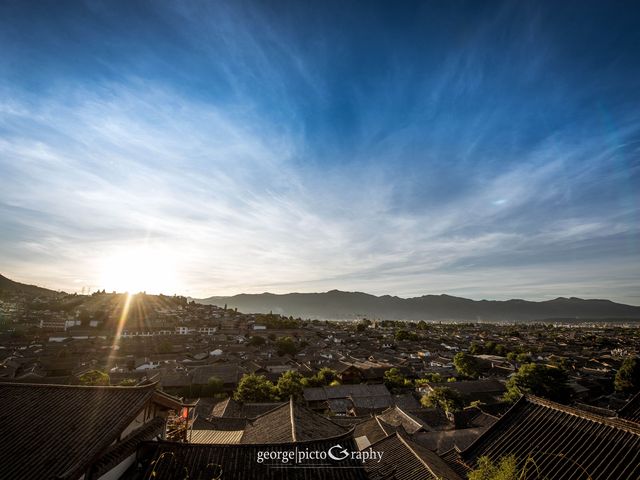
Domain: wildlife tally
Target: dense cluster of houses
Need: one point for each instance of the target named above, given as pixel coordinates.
(141, 432)
(167, 421)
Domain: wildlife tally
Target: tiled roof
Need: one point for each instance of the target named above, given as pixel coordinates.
(434, 418)
(223, 406)
(631, 411)
(163, 459)
(344, 391)
(215, 436)
(406, 401)
(229, 374)
(371, 402)
(445, 440)
(561, 442)
(471, 387)
(396, 416)
(128, 446)
(290, 423)
(220, 423)
(230, 408)
(409, 460)
(370, 428)
(58, 430)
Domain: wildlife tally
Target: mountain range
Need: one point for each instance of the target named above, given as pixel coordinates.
(337, 304)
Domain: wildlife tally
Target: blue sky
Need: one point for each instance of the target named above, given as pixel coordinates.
(480, 149)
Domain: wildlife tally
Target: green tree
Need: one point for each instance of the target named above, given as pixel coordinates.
(500, 350)
(422, 325)
(405, 335)
(290, 384)
(94, 377)
(505, 469)
(538, 379)
(323, 378)
(627, 379)
(466, 365)
(476, 349)
(255, 388)
(445, 398)
(286, 346)
(128, 382)
(393, 379)
(430, 378)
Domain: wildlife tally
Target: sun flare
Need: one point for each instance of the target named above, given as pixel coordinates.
(136, 270)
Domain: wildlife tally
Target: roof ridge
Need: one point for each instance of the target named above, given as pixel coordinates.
(226, 402)
(346, 435)
(416, 422)
(267, 412)
(587, 415)
(611, 422)
(407, 442)
(380, 425)
(491, 427)
(629, 404)
(96, 387)
(293, 422)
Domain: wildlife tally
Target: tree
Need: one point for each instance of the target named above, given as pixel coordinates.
(256, 341)
(430, 378)
(286, 346)
(445, 398)
(255, 388)
(422, 325)
(393, 379)
(466, 365)
(538, 379)
(405, 335)
(128, 382)
(290, 385)
(505, 469)
(628, 377)
(323, 378)
(94, 377)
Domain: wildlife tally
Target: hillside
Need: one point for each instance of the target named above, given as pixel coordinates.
(15, 287)
(343, 305)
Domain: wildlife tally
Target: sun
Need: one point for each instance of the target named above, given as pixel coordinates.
(139, 269)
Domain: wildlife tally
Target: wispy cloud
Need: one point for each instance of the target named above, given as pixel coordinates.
(261, 159)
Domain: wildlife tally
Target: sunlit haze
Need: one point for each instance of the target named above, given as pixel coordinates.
(479, 149)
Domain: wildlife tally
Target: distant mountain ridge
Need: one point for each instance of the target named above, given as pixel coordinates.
(337, 304)
(12, 286)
